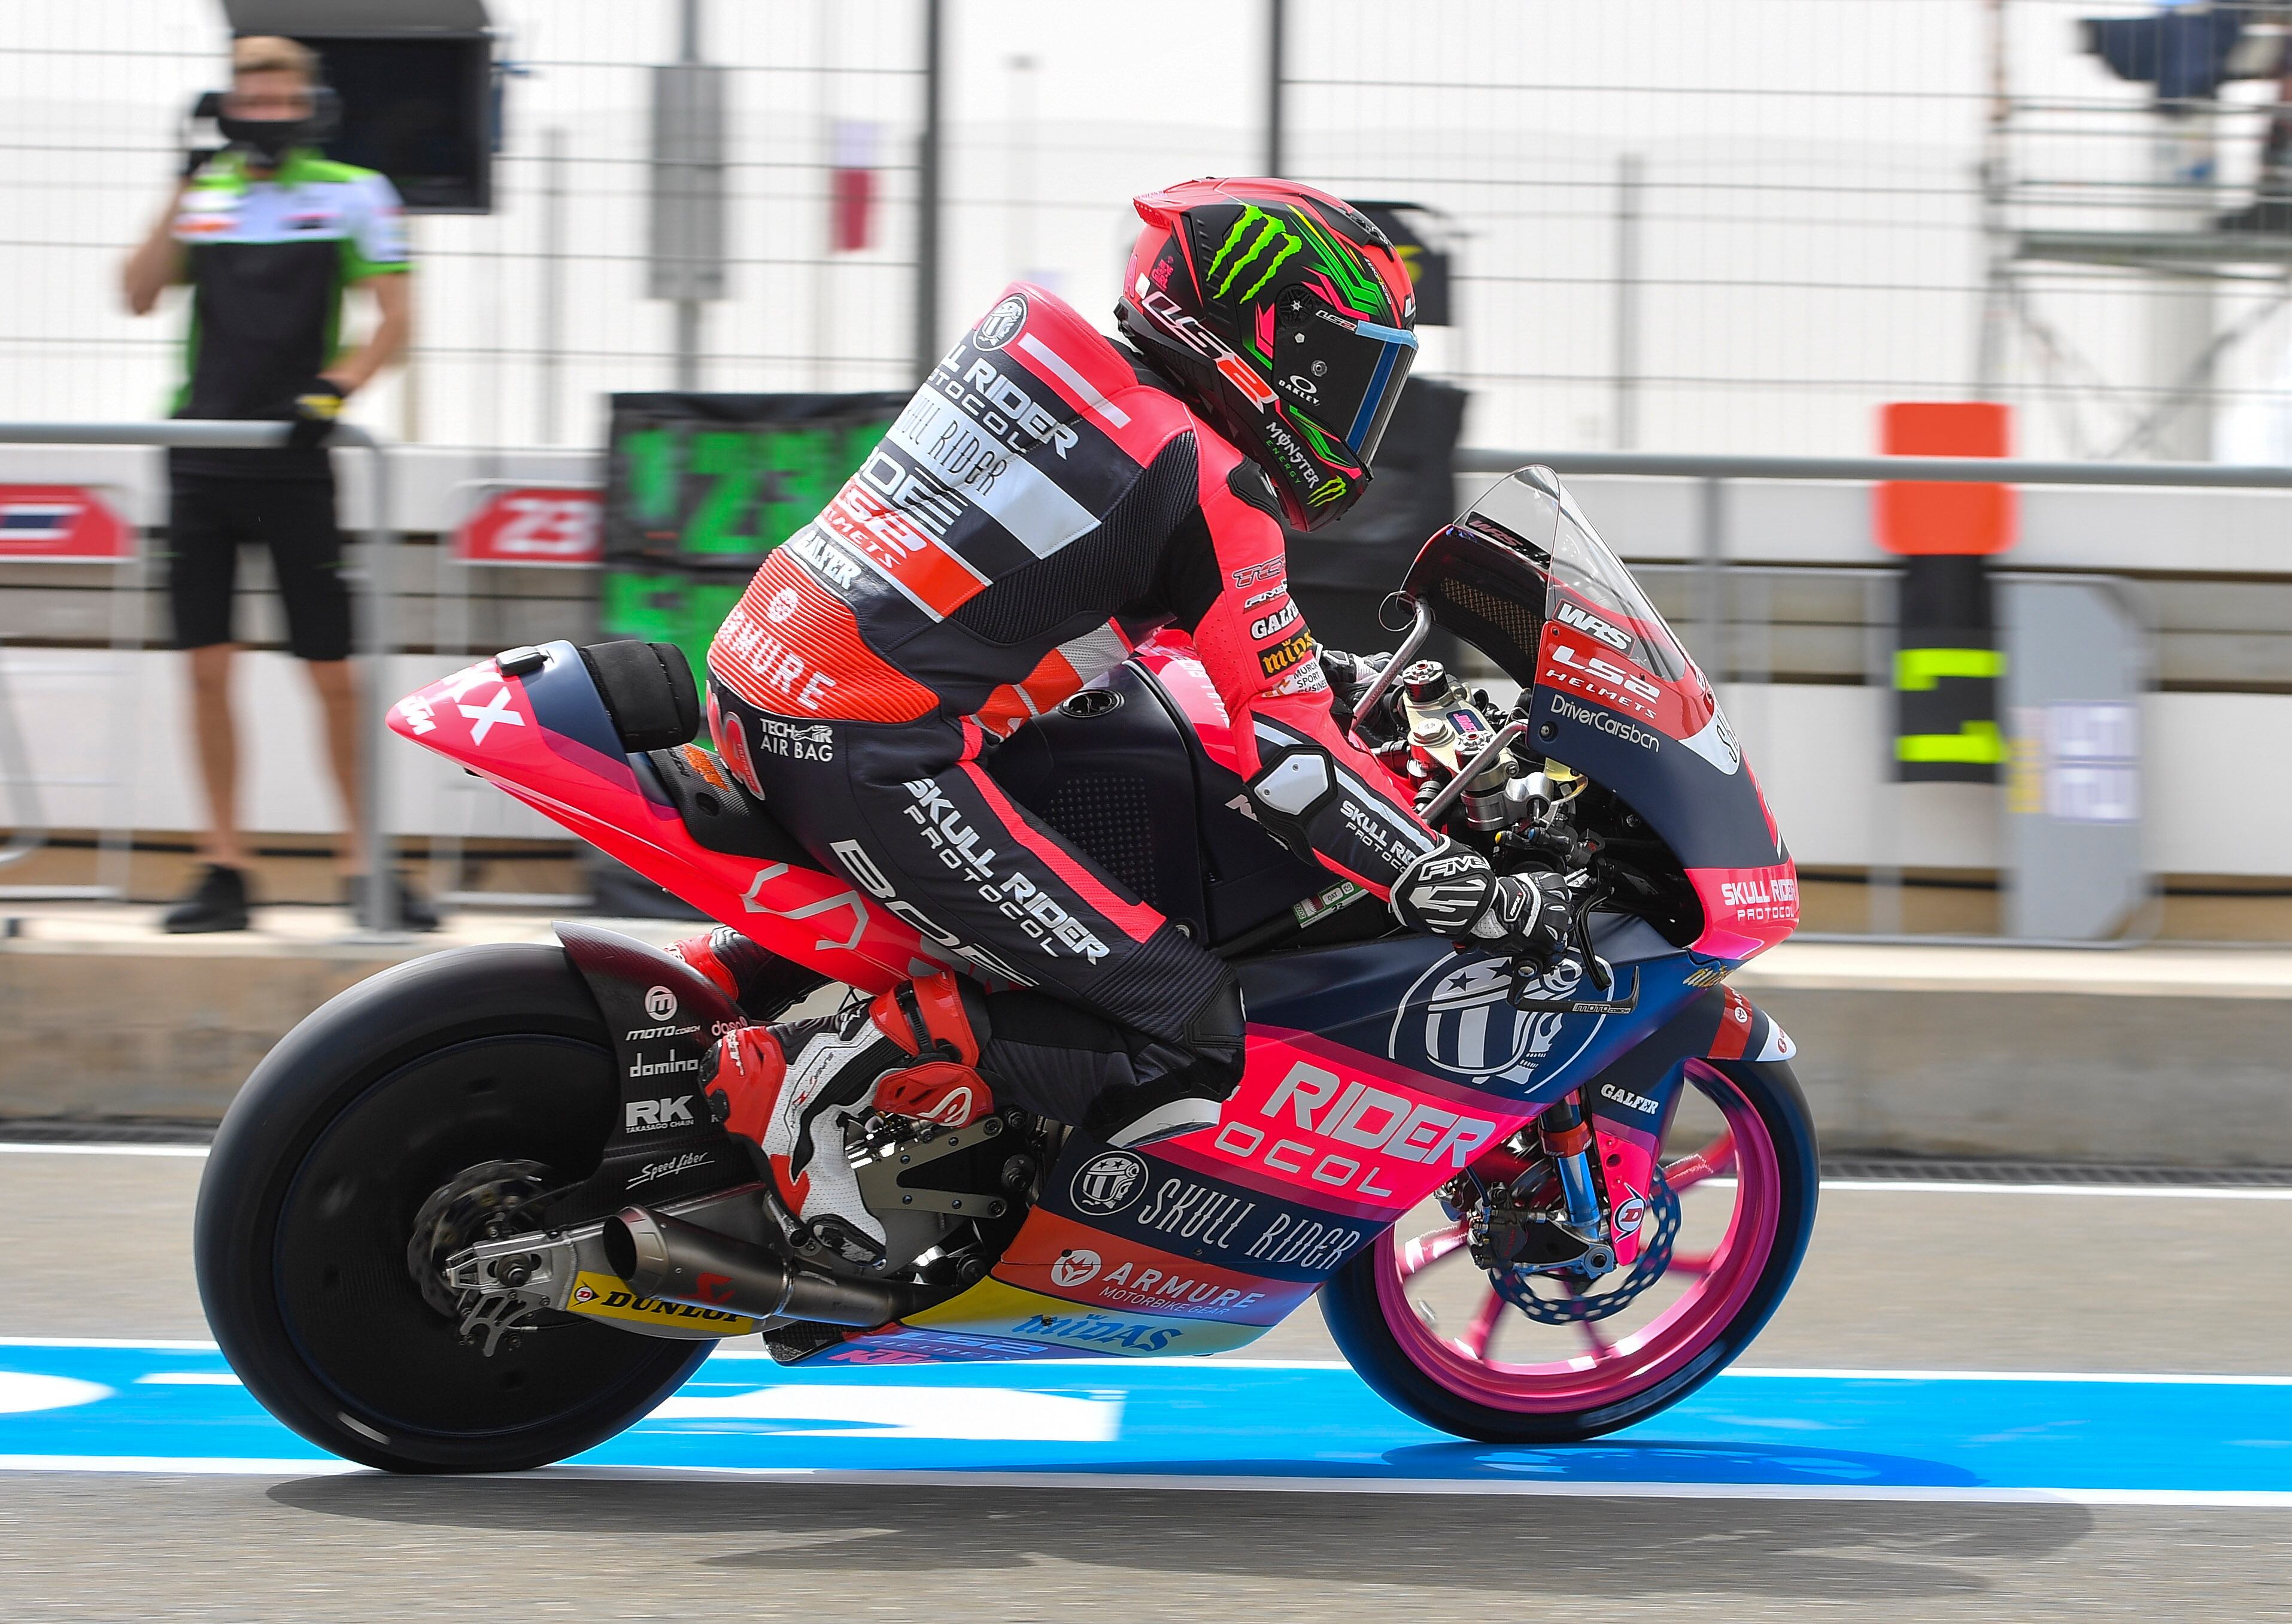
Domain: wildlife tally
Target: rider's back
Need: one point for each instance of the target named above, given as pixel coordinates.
(1037, 507)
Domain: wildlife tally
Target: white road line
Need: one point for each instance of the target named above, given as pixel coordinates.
(188, 1466)
(163, 1466)
(155, 1343)
(34, 1149)
(2170, 1193)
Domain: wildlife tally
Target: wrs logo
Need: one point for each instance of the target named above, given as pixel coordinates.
(1591, 624)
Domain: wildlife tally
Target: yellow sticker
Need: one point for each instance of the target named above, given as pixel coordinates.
(609, 1298)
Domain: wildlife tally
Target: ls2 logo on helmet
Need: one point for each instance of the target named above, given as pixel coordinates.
(1108, 1183)
(1001, 324)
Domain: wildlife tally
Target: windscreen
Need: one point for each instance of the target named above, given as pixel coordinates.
(1588, 588)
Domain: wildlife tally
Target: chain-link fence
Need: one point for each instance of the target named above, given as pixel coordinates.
(1695, 225)
(525, 316)
(1742, 226)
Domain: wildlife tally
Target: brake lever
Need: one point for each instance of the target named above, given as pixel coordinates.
(1580, 921)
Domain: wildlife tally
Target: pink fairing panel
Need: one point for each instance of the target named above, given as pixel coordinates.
(486, 722)
(1746, 911)
(1318, 1123)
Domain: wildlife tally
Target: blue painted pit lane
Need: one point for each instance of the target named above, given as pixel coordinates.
(157, 1408)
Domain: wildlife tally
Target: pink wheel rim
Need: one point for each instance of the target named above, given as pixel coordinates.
(1609, 1371)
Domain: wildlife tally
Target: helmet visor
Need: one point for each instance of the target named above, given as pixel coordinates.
(1343, 369)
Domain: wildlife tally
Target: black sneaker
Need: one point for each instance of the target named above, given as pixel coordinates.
(413, 911)
(217, 902)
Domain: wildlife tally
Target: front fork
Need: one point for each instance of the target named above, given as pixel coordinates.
(1567, 1139)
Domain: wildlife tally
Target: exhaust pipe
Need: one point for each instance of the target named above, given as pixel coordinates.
(668, 1258)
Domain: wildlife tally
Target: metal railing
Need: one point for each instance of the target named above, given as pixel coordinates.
(1951, 470)
(378, 908)
(28, 828)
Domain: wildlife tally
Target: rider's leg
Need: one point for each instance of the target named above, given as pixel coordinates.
(1130, 1030)
(791, 1089)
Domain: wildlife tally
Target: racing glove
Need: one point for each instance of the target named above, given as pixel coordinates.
(1350, 676)
(1451, 892)
(318, 405)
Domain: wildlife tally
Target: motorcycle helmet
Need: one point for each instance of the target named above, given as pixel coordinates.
(1285, 318)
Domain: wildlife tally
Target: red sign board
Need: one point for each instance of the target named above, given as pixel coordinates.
(1918, 518)
(63, 523)
(535, 525)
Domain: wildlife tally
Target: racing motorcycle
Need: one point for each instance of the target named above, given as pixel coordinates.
(476, 1213)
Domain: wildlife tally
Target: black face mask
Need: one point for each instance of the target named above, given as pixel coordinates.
(268, 140)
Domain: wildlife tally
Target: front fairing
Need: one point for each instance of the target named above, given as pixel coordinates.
(1523, 577)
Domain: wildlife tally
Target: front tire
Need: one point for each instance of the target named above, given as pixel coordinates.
(1559, 1395)
(382, 1096)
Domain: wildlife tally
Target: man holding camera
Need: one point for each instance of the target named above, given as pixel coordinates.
(269, 235)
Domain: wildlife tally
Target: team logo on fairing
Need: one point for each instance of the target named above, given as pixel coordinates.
(1460, 1019)
(1001, 324)
(1335, 1131)
(1099, 1328)
(1108, 1183)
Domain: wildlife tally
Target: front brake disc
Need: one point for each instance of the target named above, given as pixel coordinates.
(1654, 1261)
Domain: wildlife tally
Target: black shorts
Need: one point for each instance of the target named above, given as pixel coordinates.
(210, 517)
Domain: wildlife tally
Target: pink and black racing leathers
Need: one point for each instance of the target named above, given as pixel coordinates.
(1041, 503)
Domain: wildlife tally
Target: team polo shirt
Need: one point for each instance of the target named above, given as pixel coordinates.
(268, 262)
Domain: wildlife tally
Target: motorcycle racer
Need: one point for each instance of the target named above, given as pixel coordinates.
(1049, 498)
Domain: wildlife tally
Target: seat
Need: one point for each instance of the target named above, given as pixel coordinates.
(649, 692)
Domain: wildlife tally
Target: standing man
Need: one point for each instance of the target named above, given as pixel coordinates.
(269, 235)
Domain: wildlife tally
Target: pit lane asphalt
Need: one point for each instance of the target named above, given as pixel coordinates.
(1971, 1279)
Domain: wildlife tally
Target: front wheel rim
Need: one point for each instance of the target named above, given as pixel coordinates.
(1610, 1371)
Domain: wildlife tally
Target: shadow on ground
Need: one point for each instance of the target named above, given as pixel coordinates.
(1571, 1546)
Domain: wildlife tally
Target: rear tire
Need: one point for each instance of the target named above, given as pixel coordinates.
(381, 1096)
(1449, 1385)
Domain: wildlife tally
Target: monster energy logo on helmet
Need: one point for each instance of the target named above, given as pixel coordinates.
(1259, 230)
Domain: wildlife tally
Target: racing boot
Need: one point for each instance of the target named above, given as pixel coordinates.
(790, 1090)
(759, 981)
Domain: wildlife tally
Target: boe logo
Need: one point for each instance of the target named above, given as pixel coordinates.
(1109, 1184)
(1001, 324)
(660, 1003)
